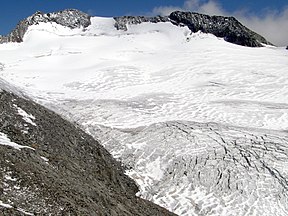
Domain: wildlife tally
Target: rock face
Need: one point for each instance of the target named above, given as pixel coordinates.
(50, 167)
(228, 28)
(70, 18)
(121, 22)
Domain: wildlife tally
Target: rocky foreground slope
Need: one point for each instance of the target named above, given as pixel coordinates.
(50, 167)
(228, 28)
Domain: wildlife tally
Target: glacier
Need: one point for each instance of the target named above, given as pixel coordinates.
(200, 124)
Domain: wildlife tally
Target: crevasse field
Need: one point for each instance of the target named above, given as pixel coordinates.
(200, 124)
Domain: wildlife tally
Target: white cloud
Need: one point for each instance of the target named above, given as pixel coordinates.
(211, 7)
(273, 25)
(165, 10)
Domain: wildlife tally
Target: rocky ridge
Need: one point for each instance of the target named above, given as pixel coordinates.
(48, 166)
(228, 28)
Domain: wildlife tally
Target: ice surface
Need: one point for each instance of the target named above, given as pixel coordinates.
(151, 73)
(204, 168)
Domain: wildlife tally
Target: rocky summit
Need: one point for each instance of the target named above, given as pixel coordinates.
(70, 18)
(228, 28)
(51, 167)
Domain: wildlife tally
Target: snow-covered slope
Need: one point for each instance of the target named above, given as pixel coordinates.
(151, 73)
(147, 94)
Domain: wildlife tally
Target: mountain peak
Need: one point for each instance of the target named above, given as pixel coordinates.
(228, 28)
(71, 18)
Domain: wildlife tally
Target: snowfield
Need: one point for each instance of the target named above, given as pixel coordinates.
(201, 124)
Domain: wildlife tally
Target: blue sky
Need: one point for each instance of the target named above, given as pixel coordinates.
(252, 13)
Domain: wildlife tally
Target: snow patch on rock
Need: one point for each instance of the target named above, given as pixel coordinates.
(5, 141)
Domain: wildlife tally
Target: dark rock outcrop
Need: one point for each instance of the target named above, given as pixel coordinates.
(62, 170)
(228, 28)
(121, 22)
(70, 18)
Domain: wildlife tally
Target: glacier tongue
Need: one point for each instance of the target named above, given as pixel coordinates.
(204, 169)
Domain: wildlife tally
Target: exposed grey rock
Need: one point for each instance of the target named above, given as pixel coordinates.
(63, 171)
(121, 22)
(228, 28)
(70, 18)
